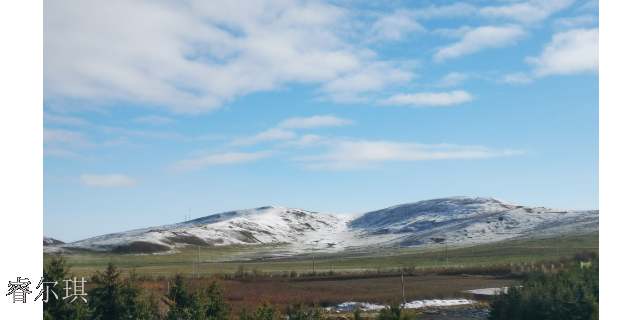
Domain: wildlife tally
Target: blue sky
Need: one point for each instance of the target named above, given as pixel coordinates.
(155, 107)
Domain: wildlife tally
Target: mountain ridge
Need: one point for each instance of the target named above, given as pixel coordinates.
(457, 220)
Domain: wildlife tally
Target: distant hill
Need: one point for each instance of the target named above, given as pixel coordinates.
(46, 241)
(459, 221)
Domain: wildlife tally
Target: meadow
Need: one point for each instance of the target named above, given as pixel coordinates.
(220, 261)
(363, 276)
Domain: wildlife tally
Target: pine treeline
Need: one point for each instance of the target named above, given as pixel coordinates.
(572, 294)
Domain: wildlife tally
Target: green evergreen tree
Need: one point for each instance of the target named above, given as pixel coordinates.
(182, 306)
(203, 304)
(217, 307)
(104, 301)
(245, 311)
(357, 314)
(296, 311)
(395, 311)
(316, 312)
(565, 295)
(265, 311)
(114, 298)
(54, 270)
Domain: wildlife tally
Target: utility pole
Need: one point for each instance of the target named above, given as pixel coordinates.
(404, 301)
(313, 257)
(446, 250)
(198, 261)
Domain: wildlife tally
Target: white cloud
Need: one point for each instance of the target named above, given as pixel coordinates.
(145, 134)
(191, 57)
(59, 153)
(315, 121)
(403, 21)
(575, 22)
(395, 27)
(361, 154)
(65, 137)
(153, 120)
(516, 78)
(373, 77)
(56, 119)
(479, 39)
(454, 10)
(428, 98)
(307, 140)
(453, 33)
(591, 5)
(224, 158)
(453, 79)
(269, 135)
(570, 52)
(107, 181)
(531, 11)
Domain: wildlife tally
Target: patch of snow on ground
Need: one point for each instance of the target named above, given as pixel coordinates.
(410, 305)
(489, 291)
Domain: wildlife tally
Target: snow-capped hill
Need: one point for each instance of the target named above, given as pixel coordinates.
(466, 220)
(250, 226)
(46, 241)
(430, 211)
(456, 220)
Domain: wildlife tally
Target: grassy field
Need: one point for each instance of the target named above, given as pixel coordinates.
(332, 292)
(226, 260)
(373, 277)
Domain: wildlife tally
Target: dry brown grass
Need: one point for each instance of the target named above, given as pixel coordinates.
(281, 291)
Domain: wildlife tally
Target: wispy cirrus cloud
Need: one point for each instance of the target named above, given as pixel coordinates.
(395, 27)
(269, 135)
(453, 33)
(527, 12)
(516, 78)
(576, 22)
(363, 154)
(452, 79)
(107, 181)
(376, 76)
(314, 121)
(307, 140)
(59, 153)
(282, 130)
(145, 134)
(428, 99)
(218, 159)
(593, 4)
(156, 120)
(64, 120)
(56, 137)
(570, 52)
(479, 39)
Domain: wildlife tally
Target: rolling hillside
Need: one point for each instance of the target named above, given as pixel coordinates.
(459, 221)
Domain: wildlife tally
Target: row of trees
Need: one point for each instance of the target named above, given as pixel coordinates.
(113, 297)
